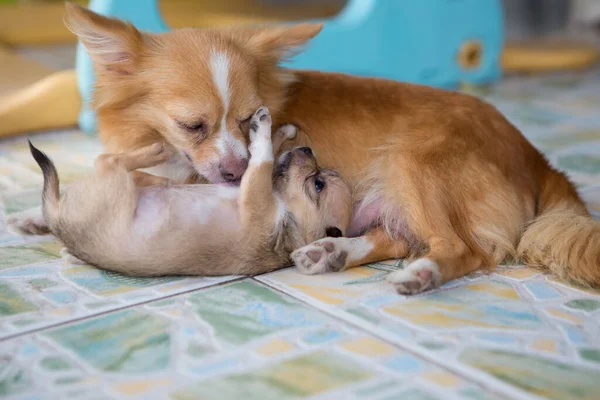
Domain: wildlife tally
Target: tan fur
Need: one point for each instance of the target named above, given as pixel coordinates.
(105, 220)
(451, 175)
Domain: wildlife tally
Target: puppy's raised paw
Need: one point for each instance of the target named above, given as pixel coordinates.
(157, 153)
(322, 256)
(260, 124)
(416, 277)
(261, 148)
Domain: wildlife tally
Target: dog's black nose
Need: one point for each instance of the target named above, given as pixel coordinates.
(306, 150)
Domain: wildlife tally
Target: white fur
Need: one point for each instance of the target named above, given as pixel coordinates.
(409, 275)
(177, 169)
(261, 148)
(357, 248)
(219, 65)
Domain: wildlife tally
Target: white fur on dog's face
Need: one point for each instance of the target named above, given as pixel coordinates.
(210, 127)
(196, 88)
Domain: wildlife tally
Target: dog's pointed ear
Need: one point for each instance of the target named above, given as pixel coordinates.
(282, 41)
(112, 44)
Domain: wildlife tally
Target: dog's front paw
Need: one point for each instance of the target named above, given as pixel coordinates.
(416, 277)
(322, 256)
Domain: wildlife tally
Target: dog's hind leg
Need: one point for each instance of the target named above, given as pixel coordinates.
(448, 258)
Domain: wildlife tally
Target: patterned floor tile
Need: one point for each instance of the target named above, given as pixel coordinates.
(239, 340)
(37, 289)
(502, 325)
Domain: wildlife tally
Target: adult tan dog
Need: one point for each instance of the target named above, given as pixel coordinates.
(197, 229)
(437, 176)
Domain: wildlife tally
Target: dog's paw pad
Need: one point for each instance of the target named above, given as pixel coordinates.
(418, 276)
(319, 257)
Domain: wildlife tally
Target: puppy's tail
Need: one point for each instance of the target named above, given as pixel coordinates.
(563, 237)
(50, 192)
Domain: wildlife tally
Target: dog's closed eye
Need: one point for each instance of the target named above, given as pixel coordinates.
(333, 232)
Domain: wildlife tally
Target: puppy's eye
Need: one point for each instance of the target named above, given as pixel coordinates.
(319, 184)
(196, 127)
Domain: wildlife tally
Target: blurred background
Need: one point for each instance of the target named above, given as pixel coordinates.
(31, 23)
(37, 52)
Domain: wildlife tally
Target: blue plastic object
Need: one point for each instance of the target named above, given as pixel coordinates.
(434, 42)
(144, 14)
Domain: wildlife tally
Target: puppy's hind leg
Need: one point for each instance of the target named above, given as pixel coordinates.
(29, 222)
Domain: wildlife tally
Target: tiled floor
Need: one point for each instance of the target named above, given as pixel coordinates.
(69, 331)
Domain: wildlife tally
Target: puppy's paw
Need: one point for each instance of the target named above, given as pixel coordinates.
(322, 256)
(416, 277)
(157, 153)
(260, 124)
(286, 132)
(69, 258)
(29, 222)
(261, 148)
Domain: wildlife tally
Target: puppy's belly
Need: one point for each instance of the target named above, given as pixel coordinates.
(184, 208)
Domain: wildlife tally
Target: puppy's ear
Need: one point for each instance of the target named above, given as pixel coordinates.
(282, 41)
(332, 231)
(112, 44)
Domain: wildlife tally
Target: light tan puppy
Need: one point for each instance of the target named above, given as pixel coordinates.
(105, 220)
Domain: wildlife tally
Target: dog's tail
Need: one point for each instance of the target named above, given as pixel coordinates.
(50, 192)
(563, 237)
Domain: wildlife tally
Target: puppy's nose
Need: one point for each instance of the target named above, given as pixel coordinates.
(232, 168)
(306, 150)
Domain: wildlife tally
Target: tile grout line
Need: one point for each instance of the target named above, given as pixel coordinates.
(480, 379)
(125, 307)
